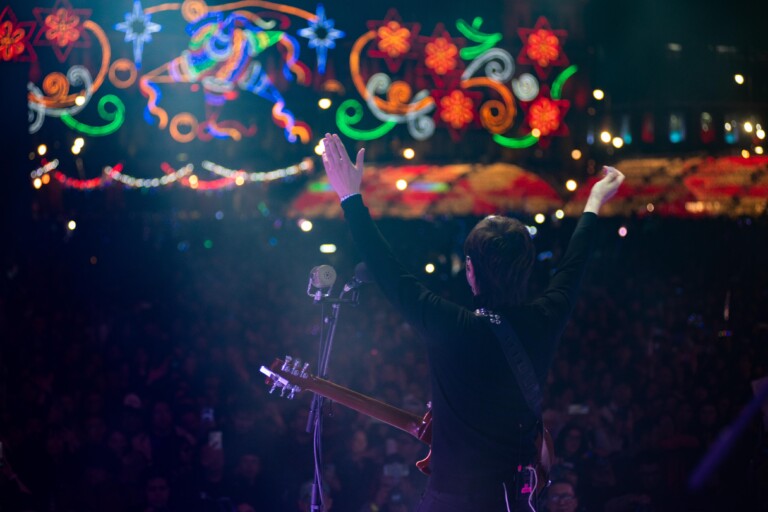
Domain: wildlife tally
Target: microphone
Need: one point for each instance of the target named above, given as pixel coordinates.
(322, 276)
(361, 277)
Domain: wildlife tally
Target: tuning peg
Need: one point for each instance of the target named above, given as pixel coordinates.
(273, 388)
(296, 364)
(287, 364)
(304, 373)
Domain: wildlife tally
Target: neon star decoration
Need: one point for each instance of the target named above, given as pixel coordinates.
(542, 47)
(322, 36)
(62, 27)
(138, 27)
(14, 38)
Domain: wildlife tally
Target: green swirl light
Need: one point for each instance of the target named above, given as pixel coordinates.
(345, 120)
(115, 118)
(559, 82)
(516, 143)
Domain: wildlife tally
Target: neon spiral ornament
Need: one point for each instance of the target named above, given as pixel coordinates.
(350, 113)
(526, 88)
(115, 118)
(499, 65)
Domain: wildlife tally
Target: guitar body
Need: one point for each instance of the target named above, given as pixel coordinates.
(289, 376)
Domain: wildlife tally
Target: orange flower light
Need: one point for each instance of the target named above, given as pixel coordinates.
(11, 40)
(394, 39)
(543, 47)
(62, 27)
(441, 56)
(544, 115)
(456, 110)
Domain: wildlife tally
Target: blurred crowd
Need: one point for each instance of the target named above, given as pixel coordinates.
(131, 355)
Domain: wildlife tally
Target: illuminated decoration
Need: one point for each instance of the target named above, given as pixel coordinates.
(676, 127)
(138, 27)
(123, 66)
(62, 27)
(457, 82)
(542, 47)
(322, 36)
(115, 118)
(224, 58)
(14, 38)
(183, 176)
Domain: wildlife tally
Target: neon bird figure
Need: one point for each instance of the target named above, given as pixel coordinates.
(222, 58)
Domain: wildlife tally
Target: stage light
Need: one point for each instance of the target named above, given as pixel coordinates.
(623, 231)
(576, 154)
(617, 142)
(328, 248)
(409, 153)
(37, 183)
(324, 103)
(42, 149)
(320, 148)
(605, 136)
(748, 127)
(539, 218)
(738, 78)
(401, 185)
(560, 214)
(598, 94)
(571, 185)
(305, 225)
(429, 268)
(71, 225)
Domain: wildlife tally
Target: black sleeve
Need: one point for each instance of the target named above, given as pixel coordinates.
(434, 316)
(559, 298)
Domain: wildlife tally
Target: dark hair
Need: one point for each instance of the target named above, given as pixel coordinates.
(502, 255)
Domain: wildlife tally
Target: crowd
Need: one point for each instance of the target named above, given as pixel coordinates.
(131, 353)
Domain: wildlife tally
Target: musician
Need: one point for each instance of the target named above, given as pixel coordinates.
(483, 432)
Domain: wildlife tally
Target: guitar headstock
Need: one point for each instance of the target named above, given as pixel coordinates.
(286, 375)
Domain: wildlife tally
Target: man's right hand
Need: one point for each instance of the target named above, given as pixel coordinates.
(604, 189)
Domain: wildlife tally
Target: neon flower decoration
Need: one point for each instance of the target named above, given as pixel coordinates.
(458, 82)
(62, 27)
(322, 36)
(14, 38)
(137, 18)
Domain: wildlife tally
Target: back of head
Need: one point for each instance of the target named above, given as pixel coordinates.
(502, 256)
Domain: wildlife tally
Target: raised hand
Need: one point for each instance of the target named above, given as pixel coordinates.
(344, 177)
(604, 189)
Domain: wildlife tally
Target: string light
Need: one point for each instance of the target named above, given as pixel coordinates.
(576, 154)
(617, 142)
(320, 148)
(760, 133)
(401, 184)
(409, 153)
(758, 150)
(571, 185)
(605, 136)
(598, 94)
(324, 103)
(539, 218)
(560, 214)
(744, 153)
(42, 149)
(429, 268)
(328, 248)
(748, 127)
(305, 225)
(76, 150)
(738, 78)
(623, 231)
(71, 225)
(37, 183)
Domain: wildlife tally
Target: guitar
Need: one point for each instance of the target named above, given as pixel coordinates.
(291, 377)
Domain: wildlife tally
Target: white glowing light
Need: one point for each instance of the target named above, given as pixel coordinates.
(536, 132)
(37, 183)
(71, 225)
(560, 214)
(758, 150)
(760, 134)
(324, 103)
(80, 100)
(76, 150)
(409, 153)
(42, 149)
(605, 136)
(571, 185)
(305, 225)
(320, 148)
(401, 185)
(328, 248)
(748, 127)
(576, 154)
(598, 94)
(738, 78)
(429, 268)
(79, 142)
(539, 218)
(617, 142)
(623, 231)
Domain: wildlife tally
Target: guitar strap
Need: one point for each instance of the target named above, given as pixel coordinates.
(520, 363)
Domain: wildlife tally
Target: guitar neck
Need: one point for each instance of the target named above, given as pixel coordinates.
(398, 418)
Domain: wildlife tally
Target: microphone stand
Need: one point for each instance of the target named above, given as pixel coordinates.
(315, 420)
